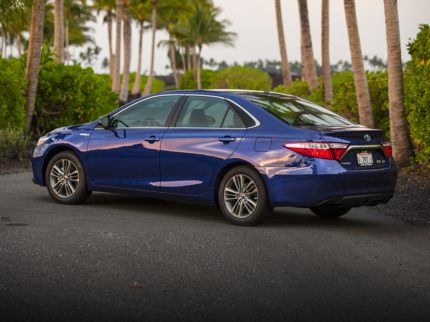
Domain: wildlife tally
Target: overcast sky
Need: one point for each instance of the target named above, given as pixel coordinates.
(254, 22)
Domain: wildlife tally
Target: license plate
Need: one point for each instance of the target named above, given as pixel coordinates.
(364, 159)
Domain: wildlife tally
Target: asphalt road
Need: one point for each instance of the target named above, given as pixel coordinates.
(129, 258)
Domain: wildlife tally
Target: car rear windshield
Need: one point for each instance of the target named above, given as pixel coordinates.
(298, 112)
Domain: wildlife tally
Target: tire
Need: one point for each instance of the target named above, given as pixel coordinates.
(70, 186)
(242, 197)
(330, 211)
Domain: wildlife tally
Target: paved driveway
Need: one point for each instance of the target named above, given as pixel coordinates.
(129, 258)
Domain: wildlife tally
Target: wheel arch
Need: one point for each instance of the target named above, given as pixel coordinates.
(228, 167)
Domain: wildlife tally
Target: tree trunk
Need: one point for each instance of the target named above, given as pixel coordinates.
(4, 43)
(138, 76)
(309, 70)
(127, 54)
(117, 64)
(33, 59)
(286, 75)
(402, 145)
(198, 71)
(148, 85)
(111, 55)
(182, 52)
(58, 31)
(365, 113)
(187, 49)
(19, 44)
(66, 46)
(194, 62)
(325, 53)
(172, 53)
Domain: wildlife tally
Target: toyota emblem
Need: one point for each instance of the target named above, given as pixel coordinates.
(367, 138)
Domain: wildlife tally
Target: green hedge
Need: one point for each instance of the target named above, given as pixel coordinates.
(157, 84)
(417, 92)
(12, 89)
(188, 82)
(238, 77)
(69, 95)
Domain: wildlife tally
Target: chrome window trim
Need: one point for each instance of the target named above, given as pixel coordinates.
(257, 122)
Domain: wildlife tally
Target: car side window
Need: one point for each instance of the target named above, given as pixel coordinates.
(153, 112)
(233, 120)
(208, 112)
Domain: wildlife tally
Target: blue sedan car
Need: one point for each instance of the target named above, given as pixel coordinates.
(244, 151)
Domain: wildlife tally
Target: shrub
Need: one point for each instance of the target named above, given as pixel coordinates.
(188, 82)
(297, 88)
(243, 78)
(12, 88)
(417, 92)
(12, 144)
(157, 84)
(70, 95)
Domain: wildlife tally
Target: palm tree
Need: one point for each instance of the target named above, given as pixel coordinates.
(58, 31)
(286, 75)
(325, 53)
(116, 67)
(108, 6)
(77, 32)
(170, 14)
(203, 28)
(148, 85)
(309, 72)
(363, 97)
(13, 23)
(140, 11)
(33, 58)
(399, 131)
(127, 51)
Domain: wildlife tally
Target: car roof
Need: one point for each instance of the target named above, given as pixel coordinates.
(234, 92)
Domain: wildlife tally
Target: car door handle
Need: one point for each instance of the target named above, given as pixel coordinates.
(152, 139)
(227, 139)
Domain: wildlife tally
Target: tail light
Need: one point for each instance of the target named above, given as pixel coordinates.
(331, 151)
(388, 149)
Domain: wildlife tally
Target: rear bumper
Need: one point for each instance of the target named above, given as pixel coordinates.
(309, 188)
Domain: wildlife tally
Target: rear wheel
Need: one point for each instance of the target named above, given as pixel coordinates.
(330, 211)
(242, 197)
(65, 179)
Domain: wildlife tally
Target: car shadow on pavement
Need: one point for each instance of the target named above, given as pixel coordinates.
(362, 218)
(154, 206)
(281, 217)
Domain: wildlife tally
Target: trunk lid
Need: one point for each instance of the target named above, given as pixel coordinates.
(365, 146)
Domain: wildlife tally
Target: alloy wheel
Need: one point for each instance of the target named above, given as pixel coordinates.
(241, 196)
(64, 178)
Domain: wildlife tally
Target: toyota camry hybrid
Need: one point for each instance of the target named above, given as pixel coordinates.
(244, 151)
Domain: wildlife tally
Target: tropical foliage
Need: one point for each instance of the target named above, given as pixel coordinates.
(37, 94)
(243, 78)
(418, 92)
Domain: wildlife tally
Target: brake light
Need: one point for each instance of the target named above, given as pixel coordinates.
(388, 149)
(331, 151)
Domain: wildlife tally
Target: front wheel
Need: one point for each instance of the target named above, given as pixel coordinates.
(65, 179)
(242, 197)
(330, 211)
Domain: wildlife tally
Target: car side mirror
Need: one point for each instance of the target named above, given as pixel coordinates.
(105, 122)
